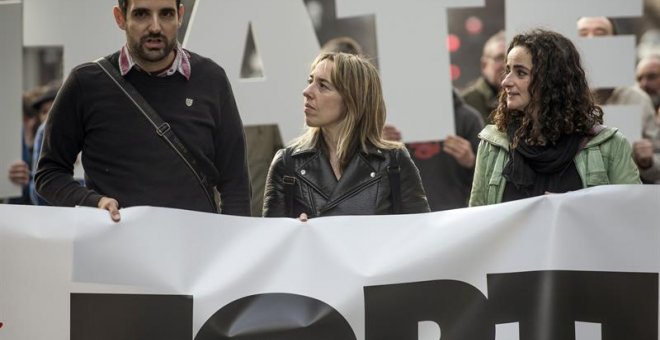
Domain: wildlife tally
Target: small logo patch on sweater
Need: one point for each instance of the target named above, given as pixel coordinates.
(189, 102)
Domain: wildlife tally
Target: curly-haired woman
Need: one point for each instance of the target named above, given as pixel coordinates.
(547, 136)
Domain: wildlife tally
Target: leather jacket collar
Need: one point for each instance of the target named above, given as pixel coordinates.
(313, 168)
(371, 150)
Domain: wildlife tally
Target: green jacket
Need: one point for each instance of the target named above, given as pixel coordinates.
(605, 159)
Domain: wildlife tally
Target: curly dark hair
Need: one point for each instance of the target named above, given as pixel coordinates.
(558, 89)
(123, 4)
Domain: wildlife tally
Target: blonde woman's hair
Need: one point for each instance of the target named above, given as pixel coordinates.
(358, 83)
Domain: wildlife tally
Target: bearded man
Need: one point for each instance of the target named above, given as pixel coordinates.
(127, 161)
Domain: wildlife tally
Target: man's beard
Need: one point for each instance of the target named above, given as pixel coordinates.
(153, 55)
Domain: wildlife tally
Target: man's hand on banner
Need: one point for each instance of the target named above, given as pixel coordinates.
(111, 205)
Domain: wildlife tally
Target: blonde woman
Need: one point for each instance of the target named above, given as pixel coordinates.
(341, 165)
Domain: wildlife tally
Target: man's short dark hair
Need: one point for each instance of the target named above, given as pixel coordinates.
(123, 4)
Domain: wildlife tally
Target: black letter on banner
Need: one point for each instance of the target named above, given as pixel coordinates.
(276, 316)
(392, 312)
(548, 303)
(131, 317)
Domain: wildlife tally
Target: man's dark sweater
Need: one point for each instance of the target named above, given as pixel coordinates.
(122, 155)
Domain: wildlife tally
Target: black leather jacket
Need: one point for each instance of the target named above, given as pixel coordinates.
(363, 189)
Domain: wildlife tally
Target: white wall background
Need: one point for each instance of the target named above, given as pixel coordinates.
(11, 108)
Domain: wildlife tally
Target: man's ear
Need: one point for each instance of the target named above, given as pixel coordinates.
(182, 11)
(119, 17)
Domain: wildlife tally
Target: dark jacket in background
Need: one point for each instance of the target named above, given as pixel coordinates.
(482, 97)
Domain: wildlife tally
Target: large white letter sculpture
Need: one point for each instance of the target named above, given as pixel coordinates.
(285, 40)
(11, 67)
(414, 62)
(608, 61)
(85, 28)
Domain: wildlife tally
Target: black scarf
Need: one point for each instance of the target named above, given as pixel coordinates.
(535, 169)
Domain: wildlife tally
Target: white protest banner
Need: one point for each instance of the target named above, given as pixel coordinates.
(582, 265)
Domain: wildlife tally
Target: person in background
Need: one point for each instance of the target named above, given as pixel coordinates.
(126, 161)
(42, 106)
(547, 136)
(342, 165)
(342, 44)
(648, 77)
(18, 172)
(647, 150)
(482, 93)
(590, 27)
(648, 43)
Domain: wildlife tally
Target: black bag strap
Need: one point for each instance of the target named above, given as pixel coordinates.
(163, 129)
(289, 180)
(394, 175)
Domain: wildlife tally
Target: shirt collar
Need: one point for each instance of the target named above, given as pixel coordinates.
(181, 62)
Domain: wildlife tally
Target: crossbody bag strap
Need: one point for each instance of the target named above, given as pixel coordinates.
(394, 175)
(163, 129)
